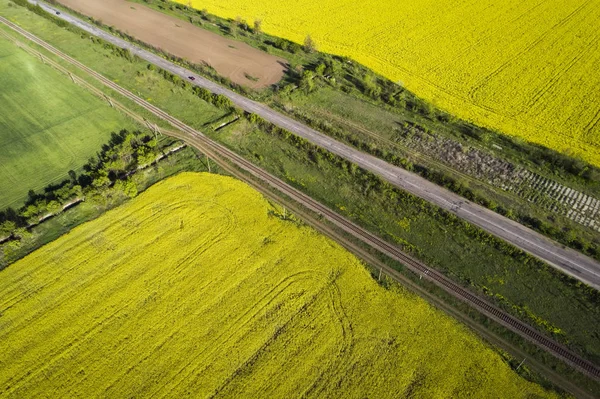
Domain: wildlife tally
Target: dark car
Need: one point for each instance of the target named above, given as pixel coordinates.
(191, 78)
(58, 13)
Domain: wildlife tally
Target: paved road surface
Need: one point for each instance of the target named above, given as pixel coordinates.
(565, 259)
(219, 153)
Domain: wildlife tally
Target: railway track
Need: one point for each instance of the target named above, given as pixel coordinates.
(567, 260)
(208, 146)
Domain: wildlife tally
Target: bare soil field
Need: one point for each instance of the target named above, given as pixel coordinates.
(237, 61)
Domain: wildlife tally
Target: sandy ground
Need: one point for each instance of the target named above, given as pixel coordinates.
(229, 58)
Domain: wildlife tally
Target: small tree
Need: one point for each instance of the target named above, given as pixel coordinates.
(7, 228)
(54, 207)
(220, 101)
(11, 247)
(371, 86)
(127, 187)
(233, 27)
(204, 14)
(101, 179)
(73, 176)
(309, 44)
(320, 69)
(257, 27)
(22, 233)
(307, 83)
(241, 23)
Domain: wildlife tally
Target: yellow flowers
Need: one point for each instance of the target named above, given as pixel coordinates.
(195, 288)
(526, 68)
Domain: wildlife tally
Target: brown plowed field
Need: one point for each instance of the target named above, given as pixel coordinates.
(229, 58)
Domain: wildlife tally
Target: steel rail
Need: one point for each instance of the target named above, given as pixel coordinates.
(491, 311)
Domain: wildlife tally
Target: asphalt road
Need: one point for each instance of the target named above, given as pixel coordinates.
(565, 259)
(219, 153)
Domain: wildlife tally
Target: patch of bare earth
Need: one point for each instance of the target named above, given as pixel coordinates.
(237, 61)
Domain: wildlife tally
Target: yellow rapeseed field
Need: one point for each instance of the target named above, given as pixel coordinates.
(196, 288)
(528, 68)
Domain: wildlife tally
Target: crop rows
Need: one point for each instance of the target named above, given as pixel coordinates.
(540, 190)
(555, 197)
(525, 68)
(281, 312)
(295, 194)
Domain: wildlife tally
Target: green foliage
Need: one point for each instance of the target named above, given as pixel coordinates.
(320, 69)
(220, 101)
(307, 82)
(127, 187)
(257, 30)
(7, 227)
(54, 207)
(372, 88)
(48, 134)
(9, 249)
(22, 233)
(309, 44)
(101, 179)
(286, 45)
(233, 28)
(136, 277)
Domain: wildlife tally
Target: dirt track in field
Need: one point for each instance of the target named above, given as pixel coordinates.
(229, 58)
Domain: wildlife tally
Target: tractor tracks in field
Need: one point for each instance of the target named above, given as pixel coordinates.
(302, 203)
(565, 259)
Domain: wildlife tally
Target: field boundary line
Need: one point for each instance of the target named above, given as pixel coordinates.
(208, 146)
(568, 261)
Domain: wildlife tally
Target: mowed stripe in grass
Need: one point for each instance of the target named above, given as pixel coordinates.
(198, 288)
(48, 125)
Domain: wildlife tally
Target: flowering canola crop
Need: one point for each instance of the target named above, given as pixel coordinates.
(528, 68)
(199, 288)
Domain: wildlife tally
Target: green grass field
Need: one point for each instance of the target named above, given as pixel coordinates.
(246, 305)
(48, 125)
(516, 285)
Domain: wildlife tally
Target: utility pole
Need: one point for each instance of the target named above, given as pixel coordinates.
(73, 78)
(208, 163)
(380, 270)
(520, 364)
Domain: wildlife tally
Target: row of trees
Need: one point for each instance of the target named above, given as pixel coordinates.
(355, 76)
(332, 69)
(106, 176)
(345, 74)
(379, 189)
(316, 154)
(329, 68)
